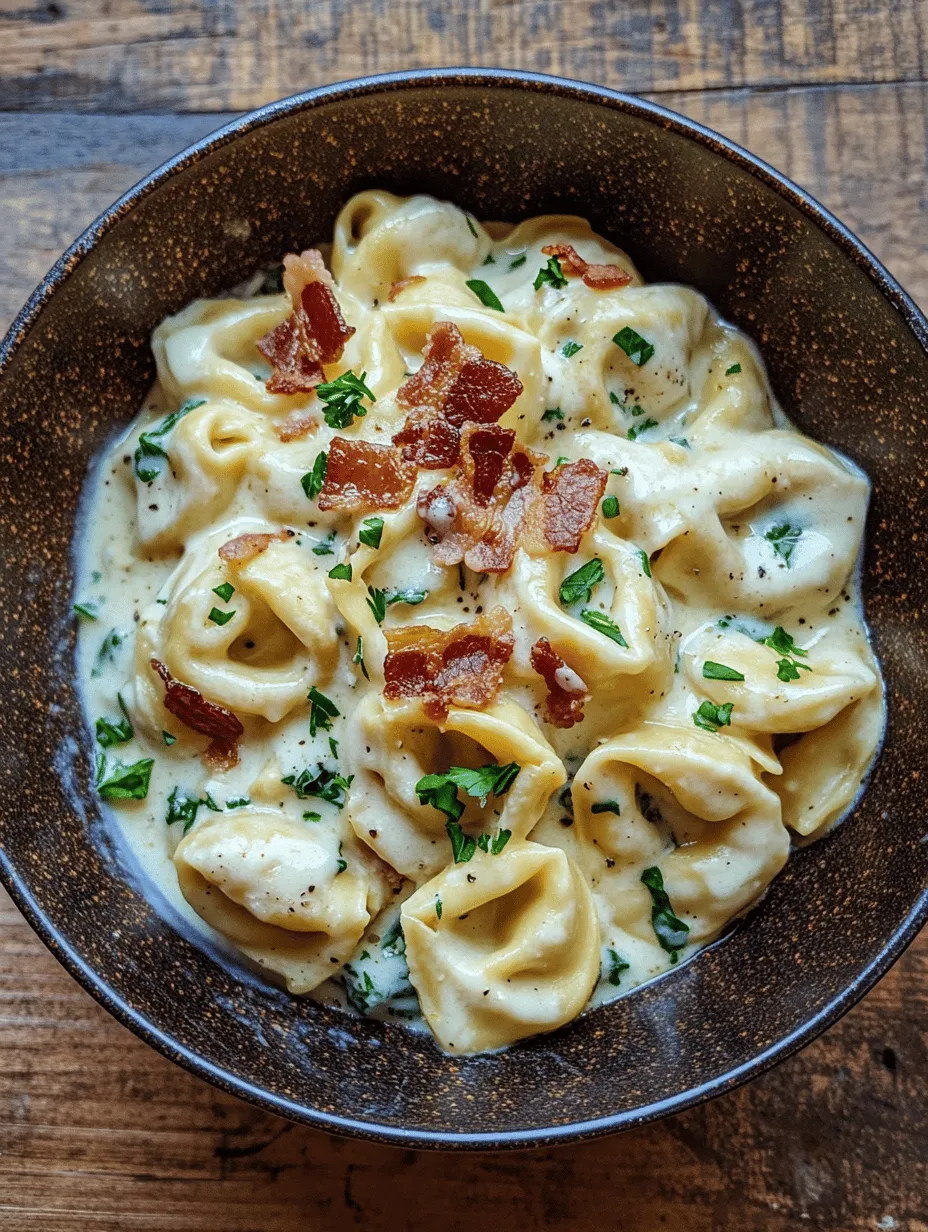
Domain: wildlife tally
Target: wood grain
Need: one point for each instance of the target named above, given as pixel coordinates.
(221, 55)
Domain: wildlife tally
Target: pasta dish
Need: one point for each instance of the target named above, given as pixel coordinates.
(464, 629)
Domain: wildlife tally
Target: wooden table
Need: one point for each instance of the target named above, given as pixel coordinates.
(97, 1131)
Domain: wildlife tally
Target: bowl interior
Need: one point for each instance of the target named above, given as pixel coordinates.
(841, 346)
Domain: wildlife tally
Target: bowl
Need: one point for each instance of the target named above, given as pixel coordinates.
(847, 352)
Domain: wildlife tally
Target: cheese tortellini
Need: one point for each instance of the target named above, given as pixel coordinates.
(483, 798)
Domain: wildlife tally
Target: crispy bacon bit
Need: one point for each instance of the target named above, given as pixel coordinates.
(399, 287)
(314, 334)
(571, 494)
(297, 424)
(566, 691)
(477, 517)
(460, 667)
(243, 548)
(194, 711)
(362, 475)
(598, 277)
(455, 385)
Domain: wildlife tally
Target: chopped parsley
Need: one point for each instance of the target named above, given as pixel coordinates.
(325, 547)
(578, 586)
(788, 669)
(168, 738)
(711, 717)
(670, 931)
(182, 807)
(553, 412)
(326, 785)
(517, 261)
(489, 259)
(611, 507)
(333, 746)
(371, 532)
(733, 370)
(570, 349)
(150, 456)
(343, 399)
(485, 294)
(341, 573)
(616, 966)
(119, 782)
(470, 225)
(107, 652)
(681, 441)
(441, 792)
(783, 643)
(783, 539)
(559, 461)
(638, 349)
(321, 711)
(220, 618)
(358, 658)
(411, 595)
(495, 844)
(238, 802)
(438, 906)
(636, 429)
(606, 806)
(718, 671)
(550, 274)
(313, 480)
(341, 864)
(225, 591)
(377, 602)
(312, 816)
(89, 610)
(603, 624)
(645, 562)
(462, 845)
(111, 732)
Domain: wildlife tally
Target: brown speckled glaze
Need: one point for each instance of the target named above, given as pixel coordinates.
(847, 353)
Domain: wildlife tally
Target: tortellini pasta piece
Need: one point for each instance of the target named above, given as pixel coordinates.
(502, 947)
(393, 745)
(785, 530)
(209, 450)
(211, 349)
(280, 638)
(272, 886)
(689, 803)
(380, 238)
(826, 679)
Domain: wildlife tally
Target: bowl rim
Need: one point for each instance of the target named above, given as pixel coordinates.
(17, 885)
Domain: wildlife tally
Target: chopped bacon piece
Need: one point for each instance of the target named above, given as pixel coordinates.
(362, 475)
(462, 666)
(399, 287)
(243, 548)
(194, 711)
(566, 691)
(314, 334)
(571, 494)
(477, 517)
(455, 385)
(297, 424)
(598, 277)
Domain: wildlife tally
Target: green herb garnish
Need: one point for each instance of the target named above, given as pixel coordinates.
(636, 430)
(733, 370)
(312, 816)
(119, 782)
(611, 508)
(489, 259)
(616, 966)
(321, 711)
(88, 611)
(550, 274)
(671, 932)
(638, 349)
(718, 671)
(111, 732)
(578, 586)
(783, 643)
(343, 399)
(225, 591)
(711, 717)
(784, 538)
(788, 669)
(470, 225)
(603, 624)
(517, 261)
(107, 652)
(182, 807)
(371, 532)
(645, 562)
(606, 806)
(150, 456)
(377, 602)
(313, 480)
(325, 547)
(238, 802)
(358, 658)
(554, 412)
(571, 348)
(485, 294)
(326, 784)
(168, 738)
(411, 595)
(438, 907)
(220, 618)
(341, 573)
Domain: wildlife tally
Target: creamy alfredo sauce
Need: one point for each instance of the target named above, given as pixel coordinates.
(745, 703)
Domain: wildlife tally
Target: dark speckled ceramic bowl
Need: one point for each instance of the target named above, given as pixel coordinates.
(846, 349)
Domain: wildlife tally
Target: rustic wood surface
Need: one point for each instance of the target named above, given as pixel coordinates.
(96, 1130)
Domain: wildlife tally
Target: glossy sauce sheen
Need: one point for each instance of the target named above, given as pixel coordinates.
(720, 524)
